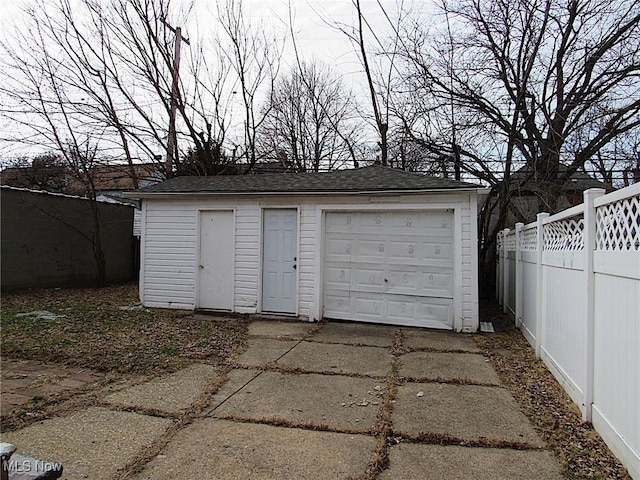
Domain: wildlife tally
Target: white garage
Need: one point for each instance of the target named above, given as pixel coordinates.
(370, 245)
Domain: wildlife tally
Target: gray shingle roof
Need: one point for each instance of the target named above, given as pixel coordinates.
(367, 179)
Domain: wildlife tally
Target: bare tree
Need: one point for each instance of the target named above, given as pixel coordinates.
(77, 150)
(254, 55)
(534, 84)
(45, 171)
(555, 81)
(618, 163)
(378, 64)
(114, 61)
(309, 125)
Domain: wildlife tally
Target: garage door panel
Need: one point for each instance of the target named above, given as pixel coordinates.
(402, 311)
(369, 280)
(340, 223)
(337, 277)
(441, 251)
(390, 267)
(436, 312)
(338, 247)
(337, 304)
(369, 306)
(432, 313)
(420, 283)
(371, 220)
(438, 284)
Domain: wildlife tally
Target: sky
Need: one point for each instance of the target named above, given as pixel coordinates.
(315, 38)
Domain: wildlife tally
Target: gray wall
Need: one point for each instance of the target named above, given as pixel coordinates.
(43, 243)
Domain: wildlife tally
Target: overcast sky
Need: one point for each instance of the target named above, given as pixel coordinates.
(314, 37)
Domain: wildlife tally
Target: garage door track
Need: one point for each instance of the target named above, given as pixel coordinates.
(309, 401)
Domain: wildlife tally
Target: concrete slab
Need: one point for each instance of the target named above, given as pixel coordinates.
(469, 367)
(357, 333)
(231, 450)
(338, 402)
(236, 379)
(264, 350)
(439, 340)
(321, 357)
(464, 411)
(92, 443)
(426, 462)
(174, 393)
(293, 330)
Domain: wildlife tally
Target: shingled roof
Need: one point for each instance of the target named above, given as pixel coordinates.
(374, 178)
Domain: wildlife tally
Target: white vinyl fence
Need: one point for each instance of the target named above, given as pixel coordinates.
(571, 281)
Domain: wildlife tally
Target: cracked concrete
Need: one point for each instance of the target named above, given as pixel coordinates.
(306, 401)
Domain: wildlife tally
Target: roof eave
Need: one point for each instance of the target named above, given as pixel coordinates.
(143, 195)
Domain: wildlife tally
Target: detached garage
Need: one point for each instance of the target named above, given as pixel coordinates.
(372, 244)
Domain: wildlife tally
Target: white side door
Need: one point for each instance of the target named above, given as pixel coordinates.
(216, 260)
(279, 261)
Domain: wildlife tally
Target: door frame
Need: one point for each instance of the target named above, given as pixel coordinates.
(196, 267)
(261, 257)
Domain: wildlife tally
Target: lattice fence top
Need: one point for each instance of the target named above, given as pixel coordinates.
(565, 234)
(529, 239)
(618, 225)
(510, 241)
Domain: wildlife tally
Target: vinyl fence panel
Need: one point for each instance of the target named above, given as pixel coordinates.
(572, 283)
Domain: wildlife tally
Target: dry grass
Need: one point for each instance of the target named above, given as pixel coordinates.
(556, 418)
(93, 332)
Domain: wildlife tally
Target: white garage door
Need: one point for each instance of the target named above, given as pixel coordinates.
(389, 267)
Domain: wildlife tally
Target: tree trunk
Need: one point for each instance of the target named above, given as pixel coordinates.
(98, 251)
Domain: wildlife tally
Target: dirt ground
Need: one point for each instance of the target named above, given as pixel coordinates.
(555, 417)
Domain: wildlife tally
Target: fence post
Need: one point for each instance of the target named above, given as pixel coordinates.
(540, 295)
(505, 271)
(519, 277)
(589, 237)
(499, 267)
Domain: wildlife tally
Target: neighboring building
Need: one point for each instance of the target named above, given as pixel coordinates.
(525, 189)
(47, 240)
(372, 244)
(109, 180)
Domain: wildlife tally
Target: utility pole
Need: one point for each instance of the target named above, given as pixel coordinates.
(172, 140)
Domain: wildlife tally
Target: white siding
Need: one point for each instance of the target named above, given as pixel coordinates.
(307, 272)
(469, 266)
(170, 236)
(137, 215)
(170, 254)
(247, 258)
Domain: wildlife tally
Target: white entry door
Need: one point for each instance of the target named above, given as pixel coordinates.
(279, 262)
(216, 260)
(393, 267)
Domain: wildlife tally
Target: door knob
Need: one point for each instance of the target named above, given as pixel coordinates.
(295, 266)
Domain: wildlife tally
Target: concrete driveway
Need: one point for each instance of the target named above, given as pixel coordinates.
(308, 401)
